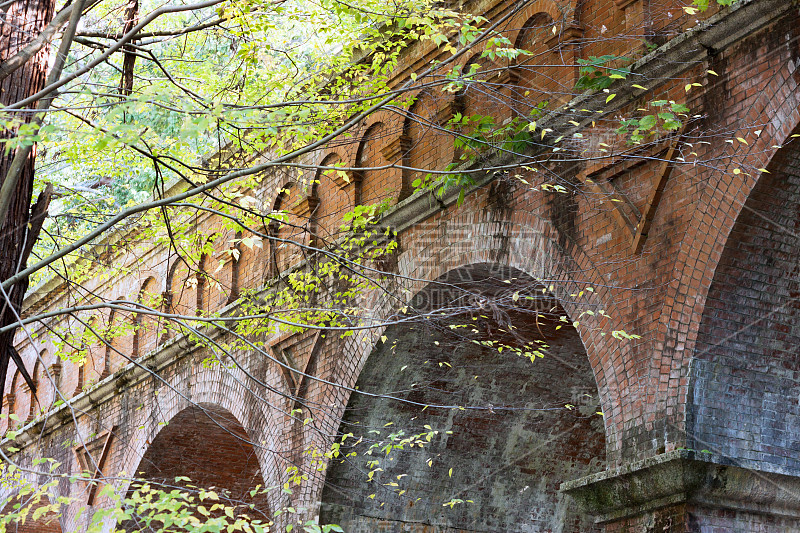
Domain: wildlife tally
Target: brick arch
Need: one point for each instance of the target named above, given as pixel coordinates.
(519, 240)
(120, 337)
(209, 445)
(92, 342)
(203, 286)
(23, 396)
(481, 96)
(531, 245)
(745, 358)
(534, 36)
(49, 378)
(372, 186)
(220, 390)
(36, 404)
(289, 200)
(10, 402)
(773, 102)
(146, 328)
(329, 196)
(426, 142)
(48, 522)
(565, 13)
(181, 295)
(429, 364)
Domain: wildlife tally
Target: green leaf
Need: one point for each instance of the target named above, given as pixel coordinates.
(647, 122)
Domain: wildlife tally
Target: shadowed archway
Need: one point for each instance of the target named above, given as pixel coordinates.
(501, 384)
(206, 444)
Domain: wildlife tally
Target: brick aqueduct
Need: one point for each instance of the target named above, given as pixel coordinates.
(699, 423)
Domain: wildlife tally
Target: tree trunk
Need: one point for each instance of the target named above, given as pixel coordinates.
(23, 21)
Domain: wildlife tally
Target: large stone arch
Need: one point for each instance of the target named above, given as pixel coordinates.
(518, 238)
(745, 372)
(233, 402)
(515, 436)
(773, 104)
(208, 444)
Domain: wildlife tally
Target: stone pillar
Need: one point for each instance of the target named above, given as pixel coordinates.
(686, 491)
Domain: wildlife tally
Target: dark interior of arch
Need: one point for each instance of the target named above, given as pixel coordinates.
(746, 371)
(509, 455)
(206, 444)
(48, 522)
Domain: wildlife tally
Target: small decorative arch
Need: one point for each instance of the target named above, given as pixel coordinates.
(9, 401)
(177, 286)
(91, 343)
(48, 378)
(332, 192)
(427, 142)
(482, 105)
(567, 14)
(118, 336)
(146, 327)
(203, 287)
(369, 185)
(546, 76)
(110, 345)
(235, 267)
(287, 230)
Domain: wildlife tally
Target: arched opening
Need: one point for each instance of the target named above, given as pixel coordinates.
(206, 444)
(506, 383)
(325, 201)
(539, 73)
(745, 375)
(203, 287)
(93, 352)
(249, 265)
(481, 105)
(287, 228)
(147, 328)
(372, 186)
(428, 138)
(34, 407)
(182, 294)
(119, 340)
(47, 518)
(10, 402)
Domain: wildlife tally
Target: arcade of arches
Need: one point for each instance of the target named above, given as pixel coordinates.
(689, 425)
